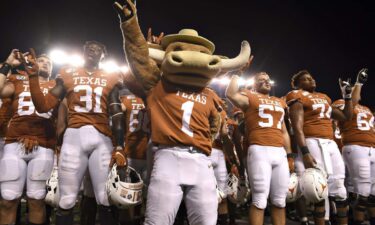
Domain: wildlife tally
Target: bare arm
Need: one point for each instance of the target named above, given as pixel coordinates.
(117, 115)
(296, 118)
(344, 115)
(356, 95)
(286, 139)
(234, 95)
(62, 121)
(51, 100)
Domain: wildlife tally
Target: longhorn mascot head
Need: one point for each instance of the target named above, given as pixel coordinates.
(185, 58)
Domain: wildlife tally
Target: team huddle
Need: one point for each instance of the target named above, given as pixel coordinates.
(157, 145)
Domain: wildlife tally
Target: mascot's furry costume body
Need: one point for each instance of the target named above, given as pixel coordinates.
(184, 115)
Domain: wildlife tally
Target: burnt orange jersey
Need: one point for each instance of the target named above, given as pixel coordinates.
(26, 122)
(317, 113)
(338, 138)
(87, 97)
(5, 114)
(181, 117)
(137, 127)
(360, 129)
(264, 118)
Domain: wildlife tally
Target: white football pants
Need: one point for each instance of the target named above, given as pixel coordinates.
(221, 173)
(83, 147)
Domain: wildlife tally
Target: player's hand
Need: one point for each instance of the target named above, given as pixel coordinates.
(346, 88)
(118, 157)
(154, 39)
(28, 144)
(234, 170)
(31, 66)
(362, 76)
(308, 161)
(291, 164)
(14, 58)
(126, 11)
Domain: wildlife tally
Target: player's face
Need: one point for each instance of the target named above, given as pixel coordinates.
(262, 83)
(45, 66)
(307, 83)
(93, 53)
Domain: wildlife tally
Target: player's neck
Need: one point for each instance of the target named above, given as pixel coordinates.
(90, 67)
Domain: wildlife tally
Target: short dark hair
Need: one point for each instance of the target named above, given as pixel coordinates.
(97, 43)
(296, 77)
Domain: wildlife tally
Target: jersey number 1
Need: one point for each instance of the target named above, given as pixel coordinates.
(187, 107)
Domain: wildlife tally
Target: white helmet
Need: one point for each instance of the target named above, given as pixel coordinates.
(220, 194)
(293, 192)
(52, 196)
(313, 185)
(124, 187)
(238, 189)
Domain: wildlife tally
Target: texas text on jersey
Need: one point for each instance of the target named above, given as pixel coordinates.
(317, 113)
(175, 119)
(264, 112)
(87, 97)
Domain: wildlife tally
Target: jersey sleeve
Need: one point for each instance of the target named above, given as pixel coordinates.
(340, 104)
(292, 97)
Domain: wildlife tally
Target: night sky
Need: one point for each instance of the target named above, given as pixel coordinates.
(329, 39)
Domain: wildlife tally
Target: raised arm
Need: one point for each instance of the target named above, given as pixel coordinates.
(5, 69)
(51, 100)
(62, 121)
(361, 79)
(234, 95)
(115, 111)
(347, 113)
(136, 50)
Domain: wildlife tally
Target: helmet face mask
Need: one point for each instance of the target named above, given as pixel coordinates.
(238, 190)
(52, 196)
(313, 185)
(293, 189)
(124, 187)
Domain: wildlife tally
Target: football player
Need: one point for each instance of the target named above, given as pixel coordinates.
(218, 157)
(29, 142)
(358, 137)
(310, 114)
(91, 95)
(136, 140)
(269, 141)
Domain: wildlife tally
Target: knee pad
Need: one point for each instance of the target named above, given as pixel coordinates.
(260, 203)
(339, 189)
(10, 195)
(36, 194)
(279, 203)
(371, 201)
(67, 202)
(361, 203)
(102, 199)
(9, 168)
